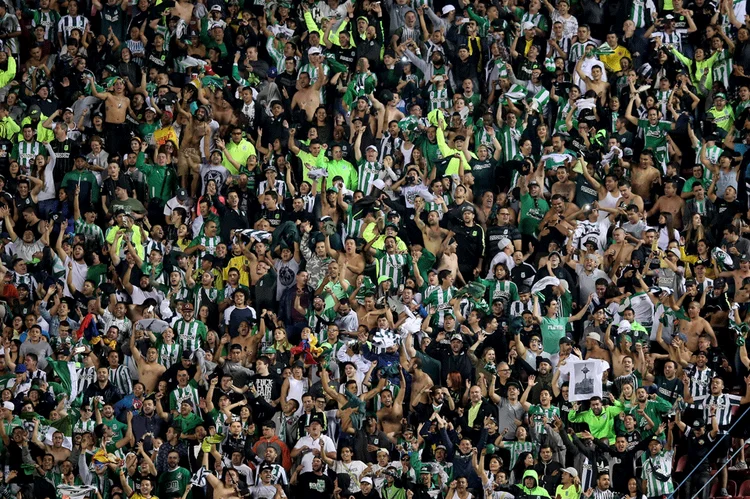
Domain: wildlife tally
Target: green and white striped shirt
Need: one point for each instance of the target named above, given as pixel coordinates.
(353, 227)
(440, 298)
(368, 173)
(169, 354)
(190, 334)
(209, 242)
(90, 231)
(661, 464)
(439, 99)
(722, 68)
(187, 393)
(392, 266)
(84, 426)
(27, 151)
(577, 50)
(638, 14)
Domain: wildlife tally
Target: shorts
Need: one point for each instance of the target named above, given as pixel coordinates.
(188, 161)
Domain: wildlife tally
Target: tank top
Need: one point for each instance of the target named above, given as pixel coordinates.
(297, 388)
(609, 201)
(725, 180)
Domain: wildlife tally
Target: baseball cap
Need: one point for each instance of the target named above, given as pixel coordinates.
(570, 471)
(314, 51)
(20, 368)
(9, 405)
(457, 337)
(216, 8)
(595, 336)
(182, 194)
(366, 479)
(504, 243)
(448, 9)
(371, 148)
(528, 25)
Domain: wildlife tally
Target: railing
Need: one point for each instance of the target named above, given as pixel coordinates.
(726, 435)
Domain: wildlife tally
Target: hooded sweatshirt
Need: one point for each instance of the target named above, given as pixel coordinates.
(520, 490)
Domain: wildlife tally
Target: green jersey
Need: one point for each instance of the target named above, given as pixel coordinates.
(553, 329)
(440, 298)
(439, 99)
(172, 484)
(655, 136)
(537, 413)
(178, 395)
(393, 266)
(532, 213)
(657, 472)
(191, 335)
(367, 174)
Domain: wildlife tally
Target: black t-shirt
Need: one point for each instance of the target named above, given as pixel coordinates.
(274, 217)
(268, 387)
(314, 486)
(727, 211)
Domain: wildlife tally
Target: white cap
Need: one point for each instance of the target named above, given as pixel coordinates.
(9, 405)
(379, 184)
(366, 479)
(503, 243)
(570, 471)
(314, 51)
(448, 9)
(371, 147)
(528, 25)
(595, 336)
(216, 8)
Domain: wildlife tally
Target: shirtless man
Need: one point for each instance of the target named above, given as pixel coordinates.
(421, 382)
(345, 414)
(391, 112)
(392, 411)
(594, 348)
(149, 369)
(618, 354)
(59, 452)
(190, 156)
(367, 313)
(432, 234)
(670, 202)
(449, 258)
(558, 217)
(595, 83)
(741, 273)
(644, 176)
(564, 186)
(696, 326)
(221, 110)
(352, 263)
(307, 97)
(116, 106)
(183, 10)
(618, 254)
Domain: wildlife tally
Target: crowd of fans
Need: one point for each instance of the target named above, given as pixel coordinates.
(396, 249)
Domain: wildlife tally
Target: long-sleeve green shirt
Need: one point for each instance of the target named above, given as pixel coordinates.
(697, 68)
(161, 180)
(601, 426)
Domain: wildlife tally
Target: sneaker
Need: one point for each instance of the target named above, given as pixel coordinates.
(723, 493)
(740, 465)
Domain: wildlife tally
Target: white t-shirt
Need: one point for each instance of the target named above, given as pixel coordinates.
(307, 458)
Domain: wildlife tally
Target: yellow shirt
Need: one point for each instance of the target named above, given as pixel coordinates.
(612, 61)
(572, 492)
(239, 262)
